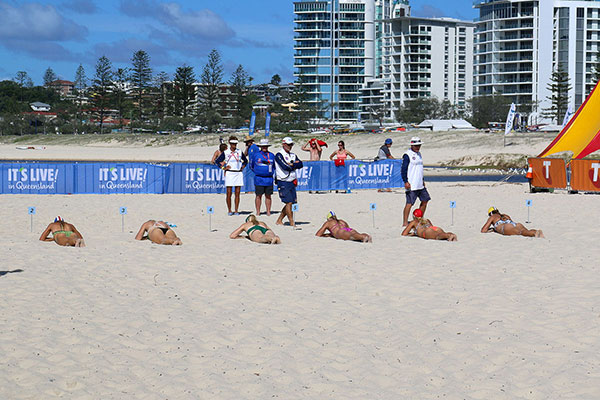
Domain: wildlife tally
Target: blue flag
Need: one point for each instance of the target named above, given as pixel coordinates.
(252, 123)
(268, 124)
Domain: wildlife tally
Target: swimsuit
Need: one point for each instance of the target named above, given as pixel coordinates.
(259, 228)
(338, 226)
(67, 233)
(501, 224)
(162, 228)
(425, 226)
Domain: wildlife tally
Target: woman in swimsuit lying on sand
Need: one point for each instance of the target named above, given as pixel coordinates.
(423, 228)
(256, 230)
(340, 230)
(159, 232)
(504, 225)
(63, 233)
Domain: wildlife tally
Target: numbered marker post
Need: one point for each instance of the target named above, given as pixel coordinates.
(294, 211)
(31, 211)
(123, 212)
(452, 207)
(373, 207)
(528, 204)
(210, 210)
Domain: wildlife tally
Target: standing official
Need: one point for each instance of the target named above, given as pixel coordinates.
(286, 164)
(412, 175)
(233, 161)
(262, 164)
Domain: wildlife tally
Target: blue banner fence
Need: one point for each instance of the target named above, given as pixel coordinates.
(112, 177)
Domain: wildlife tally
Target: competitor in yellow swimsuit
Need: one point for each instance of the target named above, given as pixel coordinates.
(256, 230)
(63, 234)
(504, 225)
(423, 228)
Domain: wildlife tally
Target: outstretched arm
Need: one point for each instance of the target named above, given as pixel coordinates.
(44, 237)
(409, 228)
(143, 230)
(321, 231)
(486, 227)
(236, 234)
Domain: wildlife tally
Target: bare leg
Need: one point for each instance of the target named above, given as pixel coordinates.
(361, 237)
(405, 213)
(268, 203)
(423, 206)
(228, 198)
(286, 211)
(257, 202)
(238, 189)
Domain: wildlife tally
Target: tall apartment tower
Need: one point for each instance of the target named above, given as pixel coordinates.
(518, 44)
(334, 53)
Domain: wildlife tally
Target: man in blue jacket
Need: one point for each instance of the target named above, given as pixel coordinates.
(262, 164)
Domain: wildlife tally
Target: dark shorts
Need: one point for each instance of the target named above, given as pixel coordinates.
(287, 191)
(422, 194)
(260, 190)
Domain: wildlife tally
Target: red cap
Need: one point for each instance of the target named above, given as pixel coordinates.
(418, 213)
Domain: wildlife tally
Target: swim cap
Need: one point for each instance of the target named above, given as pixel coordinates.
(491, 209)
(330, 214)
(248, 217)
(418, 213)
(58, 219)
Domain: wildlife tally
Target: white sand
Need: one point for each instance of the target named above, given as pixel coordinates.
(487, 317)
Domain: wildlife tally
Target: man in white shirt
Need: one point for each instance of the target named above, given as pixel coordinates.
(412, 175)
(286, 164)
(233, 161)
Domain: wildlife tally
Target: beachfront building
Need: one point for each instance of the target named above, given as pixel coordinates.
(334, 54)
(518, 44)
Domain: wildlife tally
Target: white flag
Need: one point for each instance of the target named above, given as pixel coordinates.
(510, 119)
(568, 116)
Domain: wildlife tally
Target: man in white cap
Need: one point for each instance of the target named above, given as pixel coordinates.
(232, 161)
(286, 164)
(262, 163)
(412, 175)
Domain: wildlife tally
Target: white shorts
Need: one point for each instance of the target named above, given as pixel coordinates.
(234, 178)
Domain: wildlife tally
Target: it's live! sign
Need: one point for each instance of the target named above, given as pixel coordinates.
(585, 175)
(548, 172)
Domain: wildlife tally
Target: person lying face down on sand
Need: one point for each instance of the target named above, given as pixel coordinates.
(504, 225)
(340, 230)
(256, 230)
(423, 228)
(159, 232)
(63, 234)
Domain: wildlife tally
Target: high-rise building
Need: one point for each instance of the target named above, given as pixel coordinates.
(519, 43)
(334, 54)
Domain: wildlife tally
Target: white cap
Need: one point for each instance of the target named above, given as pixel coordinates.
(233, 141)
(287, 140)
(263, 142)
(415, 141)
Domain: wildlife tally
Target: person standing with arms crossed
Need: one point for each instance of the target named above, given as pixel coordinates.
(262, 164)
(233, 161)
(286, 164)
(412, 175)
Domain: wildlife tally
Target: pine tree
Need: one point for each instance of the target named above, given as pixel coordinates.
(184, 92)
(81, 84)
(102, 83)
(49, 77)
(211, 78)
(141, 76)
(161, 103)
(119, 86)
(239, 82)
(559, 88)
(276, 80)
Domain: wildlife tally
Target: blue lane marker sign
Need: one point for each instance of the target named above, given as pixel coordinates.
(373, 206)
(528, 203)
(31, 210)
(295, 207)
(453, 204)
(123, 210)
(210, 210)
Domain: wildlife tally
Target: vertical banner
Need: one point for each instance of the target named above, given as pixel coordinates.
(252, 123)
(585, 175)
(510, 119)
(548, 172)
(568, 115)
(268, 124)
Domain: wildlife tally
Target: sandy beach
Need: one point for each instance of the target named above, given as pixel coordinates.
(487, 317)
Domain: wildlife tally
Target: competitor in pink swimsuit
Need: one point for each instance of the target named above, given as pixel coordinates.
(339, 229)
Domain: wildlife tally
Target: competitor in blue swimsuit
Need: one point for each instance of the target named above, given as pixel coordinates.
(504, 225)
(257, 231)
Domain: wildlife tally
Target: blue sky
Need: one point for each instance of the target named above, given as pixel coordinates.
(35, 35)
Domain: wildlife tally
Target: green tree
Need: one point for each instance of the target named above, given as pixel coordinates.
(119, 92)
(210, 79)
(276, 80)
(417, 110)
(486, 109)
(23, 80)
(239, 82)
(141, 76)
(161, 103)
(102, 83)
(49, 77)
(184, 91)
(81, 84)
(559, 87)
